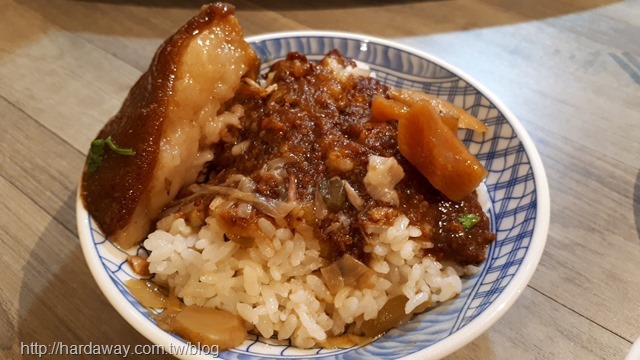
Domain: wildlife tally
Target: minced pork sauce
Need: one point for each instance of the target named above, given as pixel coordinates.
(317, 124)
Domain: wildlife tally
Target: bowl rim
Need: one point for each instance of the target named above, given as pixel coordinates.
(440, 349)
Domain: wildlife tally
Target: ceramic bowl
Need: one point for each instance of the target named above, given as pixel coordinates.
(519, 212)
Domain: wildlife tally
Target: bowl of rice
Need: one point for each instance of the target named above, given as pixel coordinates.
(514, 195)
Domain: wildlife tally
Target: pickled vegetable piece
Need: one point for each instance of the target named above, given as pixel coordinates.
(448, 111)
(348, 271)
(139, 265)
(210, 326)
(152, 295)
(383, 109)
(346, 341)
(390, 316)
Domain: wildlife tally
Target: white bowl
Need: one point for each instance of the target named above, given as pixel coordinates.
(519, 214)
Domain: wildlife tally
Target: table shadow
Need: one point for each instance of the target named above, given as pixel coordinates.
(66, 305)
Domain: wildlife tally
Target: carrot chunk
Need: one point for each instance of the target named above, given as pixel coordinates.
(437, 152)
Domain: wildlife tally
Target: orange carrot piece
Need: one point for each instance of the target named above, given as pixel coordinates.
(438, 153)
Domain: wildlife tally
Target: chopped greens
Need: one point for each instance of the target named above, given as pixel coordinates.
(96, 153)
(333, 194)
(94, 160)
(469, 220)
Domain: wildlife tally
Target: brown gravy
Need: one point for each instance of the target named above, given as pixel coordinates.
(318, 125)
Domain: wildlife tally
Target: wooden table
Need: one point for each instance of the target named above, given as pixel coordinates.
(570, 70)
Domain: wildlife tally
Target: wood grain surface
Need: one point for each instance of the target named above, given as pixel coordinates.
(569, 70)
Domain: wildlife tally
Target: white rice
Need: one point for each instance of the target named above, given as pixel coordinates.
(272, 285)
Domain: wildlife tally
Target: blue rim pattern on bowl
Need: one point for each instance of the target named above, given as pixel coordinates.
(512, 184)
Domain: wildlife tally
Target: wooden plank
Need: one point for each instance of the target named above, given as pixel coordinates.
(591, 165)
(48, 294)
(132, 32)
(40, 164)
(62, 80)
(590, 262)
(577, 94)
(539, 328)
(627, 12)
(68, 85)
(409, 17)
(541, 10)
(614, 27)
(127, 31)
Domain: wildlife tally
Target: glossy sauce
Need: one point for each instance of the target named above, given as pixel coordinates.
(163, 120)
(320, 125)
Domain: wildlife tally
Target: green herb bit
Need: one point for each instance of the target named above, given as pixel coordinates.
(118, 150)
(96, 153)
(94, 160)
(469, 220)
